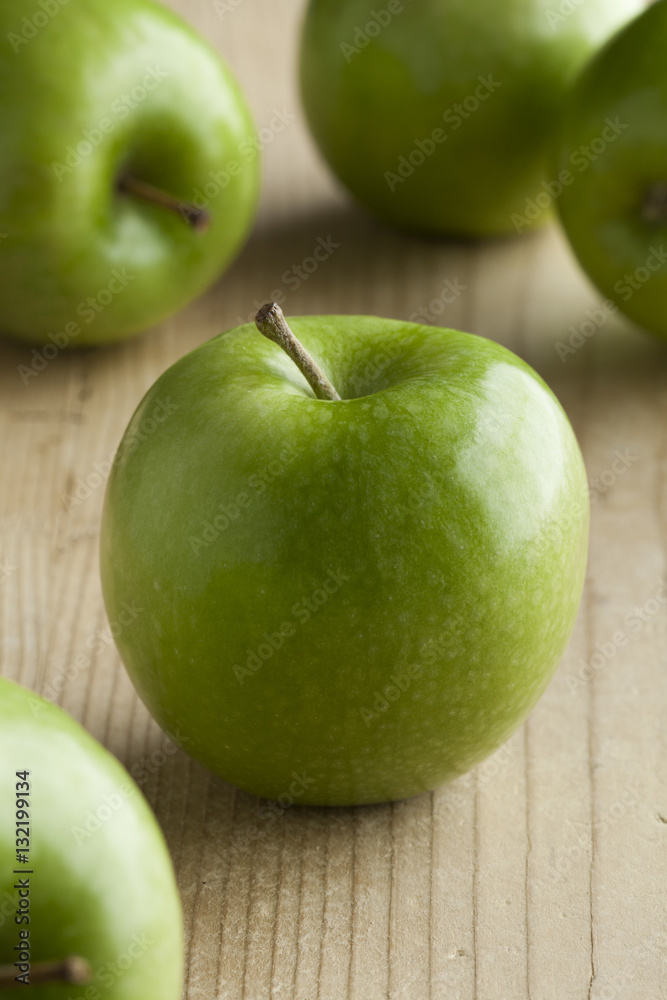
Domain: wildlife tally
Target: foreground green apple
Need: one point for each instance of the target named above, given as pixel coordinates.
(346, 600)
(122, 136)
(438, 114)
(87, 891)
(615, 212)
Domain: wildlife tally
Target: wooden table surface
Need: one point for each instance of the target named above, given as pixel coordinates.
(543, 874)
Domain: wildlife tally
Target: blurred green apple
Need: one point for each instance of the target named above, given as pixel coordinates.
(87, 891)
(346, 599)
(122, 136)
(438, 114)
(615, 210)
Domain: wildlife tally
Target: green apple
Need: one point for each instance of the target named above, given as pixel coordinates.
(615, 211)
(438, 114)
(128, 168)
(87, 890)
(346, 599)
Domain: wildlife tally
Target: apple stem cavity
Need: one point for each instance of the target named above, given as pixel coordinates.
(654, 208)
(73, 970)
(198, 218)
(273, 325)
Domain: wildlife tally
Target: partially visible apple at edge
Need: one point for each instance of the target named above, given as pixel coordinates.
(129, 170)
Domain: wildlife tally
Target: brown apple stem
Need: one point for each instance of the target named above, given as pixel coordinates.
(654, 208)
(271, 322)
(74, 970)
(198, 218)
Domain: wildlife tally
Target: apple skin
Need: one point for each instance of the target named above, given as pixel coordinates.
(366, 109)
(65, 238)
(603, 211)
(447, 484)
(96, 897)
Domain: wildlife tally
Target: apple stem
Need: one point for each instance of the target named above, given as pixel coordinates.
(198, 218)
(655, 203)
(271, 322)
(72, 970)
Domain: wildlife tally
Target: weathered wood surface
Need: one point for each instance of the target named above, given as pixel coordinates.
(543, 874)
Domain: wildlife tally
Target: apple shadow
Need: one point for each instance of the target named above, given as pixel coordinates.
(526, 292)
(337, 259)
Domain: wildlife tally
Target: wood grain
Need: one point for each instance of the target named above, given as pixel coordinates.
(542, 875)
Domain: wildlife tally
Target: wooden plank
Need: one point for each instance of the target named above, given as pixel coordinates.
(543, 873)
